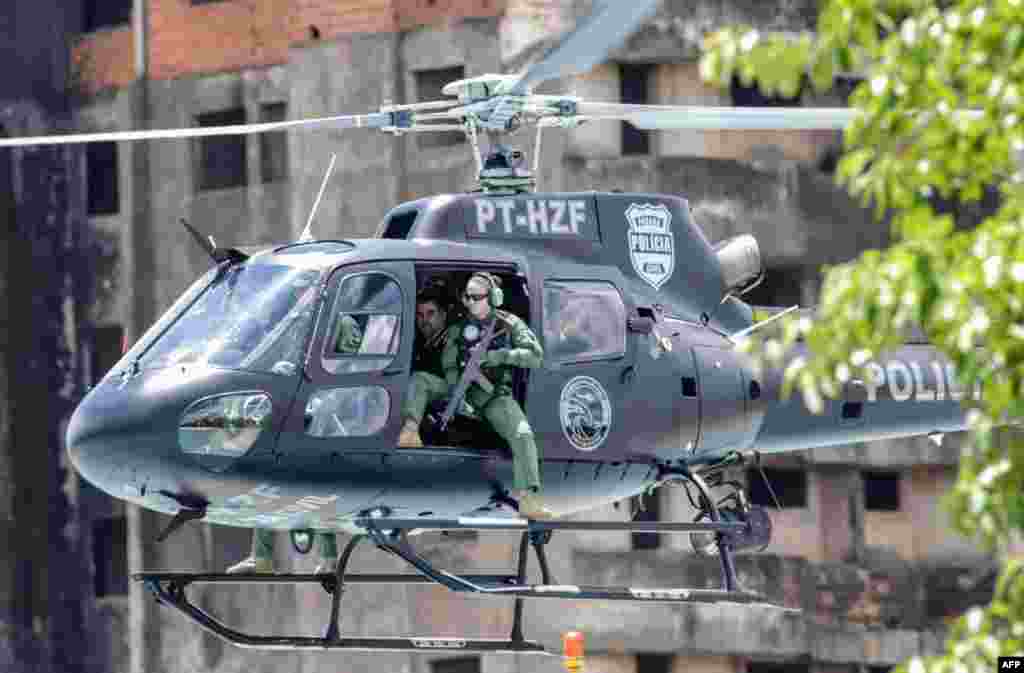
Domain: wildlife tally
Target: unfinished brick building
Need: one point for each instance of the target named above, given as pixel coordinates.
(860, 541)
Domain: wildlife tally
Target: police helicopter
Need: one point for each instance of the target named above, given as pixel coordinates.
(237, 407)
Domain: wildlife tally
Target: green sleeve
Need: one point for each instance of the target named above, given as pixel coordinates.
(350, 337)
(526, 351)
(450, 355)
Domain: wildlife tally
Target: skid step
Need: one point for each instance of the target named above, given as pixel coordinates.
(637, 594)
(415, 644)
(485, 585)
(185, 579)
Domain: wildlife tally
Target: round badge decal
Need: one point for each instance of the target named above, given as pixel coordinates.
(585, 412)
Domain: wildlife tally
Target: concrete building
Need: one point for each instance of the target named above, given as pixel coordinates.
(860, 542)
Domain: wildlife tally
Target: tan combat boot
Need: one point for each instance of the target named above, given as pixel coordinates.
(252, 566)
(532, 506)
(410, 437)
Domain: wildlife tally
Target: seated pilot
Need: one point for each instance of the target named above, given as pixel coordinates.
(349, 337)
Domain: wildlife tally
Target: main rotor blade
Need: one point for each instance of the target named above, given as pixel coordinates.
(663, 117)
(373, 120)
(589, 43)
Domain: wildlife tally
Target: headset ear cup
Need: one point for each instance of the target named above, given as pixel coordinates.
(497, 297)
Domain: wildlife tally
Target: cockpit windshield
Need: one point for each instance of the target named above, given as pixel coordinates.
(254, 317)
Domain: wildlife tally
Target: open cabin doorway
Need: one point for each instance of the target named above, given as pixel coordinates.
(443, 285)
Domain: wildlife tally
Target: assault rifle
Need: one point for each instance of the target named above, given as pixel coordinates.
(472, 374)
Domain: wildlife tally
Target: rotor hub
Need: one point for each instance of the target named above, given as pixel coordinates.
(504, 171)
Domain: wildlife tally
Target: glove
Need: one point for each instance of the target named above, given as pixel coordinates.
(495, 358)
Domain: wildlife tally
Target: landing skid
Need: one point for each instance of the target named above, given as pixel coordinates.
(391, 535)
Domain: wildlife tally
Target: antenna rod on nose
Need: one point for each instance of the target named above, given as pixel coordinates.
(307, 233)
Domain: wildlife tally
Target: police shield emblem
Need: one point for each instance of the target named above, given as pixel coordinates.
(651, 243)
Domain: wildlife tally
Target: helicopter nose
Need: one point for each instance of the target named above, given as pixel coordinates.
(109, 435)
(91, 440)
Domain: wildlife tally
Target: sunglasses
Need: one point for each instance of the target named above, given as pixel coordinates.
(474, 297)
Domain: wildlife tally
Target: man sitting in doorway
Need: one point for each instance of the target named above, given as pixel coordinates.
(517, 346)
(427, 383)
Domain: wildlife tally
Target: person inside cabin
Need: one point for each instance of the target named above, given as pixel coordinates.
(514, 345)
(427, 382)
(431, 329)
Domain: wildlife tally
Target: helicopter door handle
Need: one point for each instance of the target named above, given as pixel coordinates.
(393, 371)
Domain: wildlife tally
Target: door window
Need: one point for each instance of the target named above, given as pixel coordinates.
(365, 326)
(347, 412)
(583, 321)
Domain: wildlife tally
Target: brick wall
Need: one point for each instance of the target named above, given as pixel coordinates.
(104, 59)
(187, 39)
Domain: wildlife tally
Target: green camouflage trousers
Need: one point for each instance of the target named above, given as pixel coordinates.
(502, 412)
(263, 544)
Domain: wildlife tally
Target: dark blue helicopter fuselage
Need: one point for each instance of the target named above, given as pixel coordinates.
(671, 391)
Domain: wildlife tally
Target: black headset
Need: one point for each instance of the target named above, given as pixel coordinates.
(495, 295)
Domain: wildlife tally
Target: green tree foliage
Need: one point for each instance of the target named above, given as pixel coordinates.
(940, 118)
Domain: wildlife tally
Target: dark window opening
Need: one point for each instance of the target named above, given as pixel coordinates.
(101, 178)
(459, 665)
(400, 224)
(273, 145)
(881, 491)
(428, 87)
(755, 390)
(634, 84)
(752, 96)
(650, 511)
(98, 14)
(649, 662)
(221, 159)
(789, 486)
(780, 287)
(829, 160)
(777, 667)
(689, 386)
(107, 344)
(852, 410)
(109, 553)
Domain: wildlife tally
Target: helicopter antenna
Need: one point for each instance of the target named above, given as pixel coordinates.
(208, 245)
(744, 332)
(307, 233)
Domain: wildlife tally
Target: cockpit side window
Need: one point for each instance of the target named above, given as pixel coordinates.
(583, 321)
(365, 326)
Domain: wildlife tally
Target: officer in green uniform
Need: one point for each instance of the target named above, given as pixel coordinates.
(261, 560)
(517, 346)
